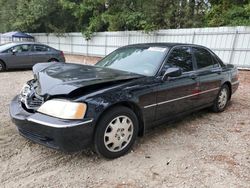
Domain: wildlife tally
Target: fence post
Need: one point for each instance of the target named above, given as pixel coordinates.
(59, 43)
(193, 38)
(47, 39)
(156, 36)
(128, 38)
(87, 48)
(71, 43)
(233, 46)
(106, 44)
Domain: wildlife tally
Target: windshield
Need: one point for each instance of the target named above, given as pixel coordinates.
(5, 46)
(139, 60)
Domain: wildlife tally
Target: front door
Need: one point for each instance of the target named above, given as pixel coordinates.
(176, 95)
(19, 56)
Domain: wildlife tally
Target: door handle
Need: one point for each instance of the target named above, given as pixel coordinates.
(193, 76)
(218, 71)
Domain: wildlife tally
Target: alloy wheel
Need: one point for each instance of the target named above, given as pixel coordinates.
(223, 97)
(118, 133)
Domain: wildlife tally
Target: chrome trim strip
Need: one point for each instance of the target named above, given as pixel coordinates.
(151, 105)
(58, 125)
(172, 100)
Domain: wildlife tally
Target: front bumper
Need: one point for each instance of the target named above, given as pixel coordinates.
(65, 135)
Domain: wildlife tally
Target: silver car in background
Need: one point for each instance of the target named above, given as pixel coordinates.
(27, 54)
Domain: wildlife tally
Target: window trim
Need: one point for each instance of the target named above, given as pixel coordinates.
(33, 48)
(219, 61)
(167, 56)
(195, 61)
(30, 50)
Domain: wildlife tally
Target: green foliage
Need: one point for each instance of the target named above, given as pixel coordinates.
(89, 16)
(7, 10)
(228, 13)
(35, 16)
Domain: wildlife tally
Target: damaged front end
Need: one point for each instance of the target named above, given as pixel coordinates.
(29, 98)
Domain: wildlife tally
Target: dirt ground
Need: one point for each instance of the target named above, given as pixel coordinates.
(202, 150)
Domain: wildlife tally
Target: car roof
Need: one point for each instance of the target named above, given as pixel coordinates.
(163, 44)
(6, 46)
(26, 42)
(11, 44)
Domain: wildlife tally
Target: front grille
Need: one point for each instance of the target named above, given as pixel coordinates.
(34, 102)
(29, 98)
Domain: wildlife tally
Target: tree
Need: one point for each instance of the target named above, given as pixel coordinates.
(120, 15)
(89, 16)
(228, 12)
(7, 10)
(35, 16)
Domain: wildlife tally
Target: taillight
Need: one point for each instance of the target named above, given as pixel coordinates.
(237, 75)
(62, 54)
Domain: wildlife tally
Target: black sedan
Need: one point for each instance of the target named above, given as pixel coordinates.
(27, 54)
(135, 88)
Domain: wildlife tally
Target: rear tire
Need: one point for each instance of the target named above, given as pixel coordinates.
(2, 67)
(222, 99)
(116, 132)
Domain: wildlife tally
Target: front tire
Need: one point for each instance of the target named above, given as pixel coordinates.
(222, 99)
(2, 67)
(116, 132)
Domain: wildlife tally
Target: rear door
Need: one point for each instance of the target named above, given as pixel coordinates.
(175, 95)
(210, 76)
(21, 58)
(40, 54)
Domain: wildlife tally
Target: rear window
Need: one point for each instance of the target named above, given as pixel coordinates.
(41, 48)
(203, 58)
(217, 61)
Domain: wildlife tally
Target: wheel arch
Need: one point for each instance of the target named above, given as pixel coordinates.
(55, 59)
(5, 66)
(131, 105)
(230, 88)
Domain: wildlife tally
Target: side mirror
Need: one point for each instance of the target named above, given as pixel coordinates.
(171, 72)
(14, 51)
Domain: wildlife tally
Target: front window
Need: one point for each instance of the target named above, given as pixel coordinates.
(140, 60)
(180, 57)
(20, 48)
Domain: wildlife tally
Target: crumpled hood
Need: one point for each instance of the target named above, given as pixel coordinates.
(63, 78)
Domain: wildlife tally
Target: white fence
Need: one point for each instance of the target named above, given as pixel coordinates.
(231, 44)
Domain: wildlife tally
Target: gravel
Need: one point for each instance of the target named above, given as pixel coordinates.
(204, 149)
